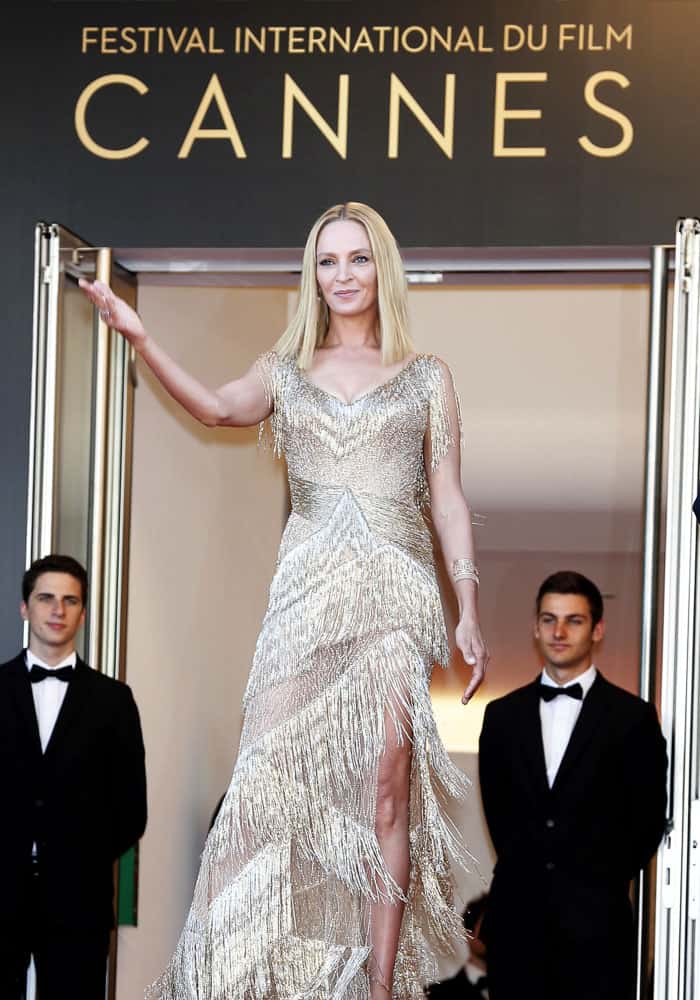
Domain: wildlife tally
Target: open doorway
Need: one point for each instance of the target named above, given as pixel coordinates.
(549, 355)
(551, 367)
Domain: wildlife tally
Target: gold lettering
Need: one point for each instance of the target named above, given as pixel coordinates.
(481, 35)
(624, 36)
(465, 40)
(607, 112)
(382, 30)
(296, 41)
(195, 132)
(89, 37)
(128, 44)
(363, 41)
(513, 37)
(81, 108)
(317, 39)
(337, 39)
(109, 42)
(176, 42)
(276, 31)
(212, 46)
(531, 44)
(567, 33)
(444, 40)
(195, 41)
(398, 93)
(590, 45)
(502, 114)
(338, 139)
(422, 38)
(250, 37)
(147, 32)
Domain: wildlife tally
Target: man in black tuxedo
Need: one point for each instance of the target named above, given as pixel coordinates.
(73, 793)
(573, 782)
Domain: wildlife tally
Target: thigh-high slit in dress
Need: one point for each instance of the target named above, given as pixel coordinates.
(283, 899)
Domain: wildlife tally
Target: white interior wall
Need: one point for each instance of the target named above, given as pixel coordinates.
(552, 383)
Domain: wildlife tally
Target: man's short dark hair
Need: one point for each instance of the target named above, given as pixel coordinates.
(54, 564)
(567, 581)
(474, 912)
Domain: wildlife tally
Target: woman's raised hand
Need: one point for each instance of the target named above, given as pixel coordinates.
(115, 311)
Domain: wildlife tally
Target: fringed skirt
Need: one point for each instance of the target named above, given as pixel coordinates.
(283, 900)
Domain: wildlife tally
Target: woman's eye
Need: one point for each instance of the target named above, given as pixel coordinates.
(324, 261)
(360, 259)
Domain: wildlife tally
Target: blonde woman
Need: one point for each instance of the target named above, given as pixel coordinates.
(326, 874)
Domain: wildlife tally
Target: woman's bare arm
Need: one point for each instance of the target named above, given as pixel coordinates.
(239, 403)
(453, 525)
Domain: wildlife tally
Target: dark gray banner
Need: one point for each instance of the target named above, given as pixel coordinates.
(487, 123)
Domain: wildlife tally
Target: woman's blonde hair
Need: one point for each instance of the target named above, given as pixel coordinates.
(309, 326)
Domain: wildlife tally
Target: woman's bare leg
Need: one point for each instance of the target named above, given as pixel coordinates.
(391, 825)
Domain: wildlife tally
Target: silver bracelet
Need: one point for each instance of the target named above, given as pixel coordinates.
(465, 569)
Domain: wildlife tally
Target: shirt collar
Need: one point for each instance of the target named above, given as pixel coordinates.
(585, 679)
(31, 658)
(473, 972)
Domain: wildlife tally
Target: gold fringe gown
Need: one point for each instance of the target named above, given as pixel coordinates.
(282, 903)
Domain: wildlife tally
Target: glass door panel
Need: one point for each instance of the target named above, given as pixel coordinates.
(677, 966)
(81, 431)
(80, 444)
(74, 426)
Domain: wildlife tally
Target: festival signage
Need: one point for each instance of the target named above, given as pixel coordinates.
(235, 123)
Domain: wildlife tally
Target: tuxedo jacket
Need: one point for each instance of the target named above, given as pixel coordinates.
(566, 854)
(82, 801)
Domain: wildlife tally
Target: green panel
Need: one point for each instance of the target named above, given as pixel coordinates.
(127, 906)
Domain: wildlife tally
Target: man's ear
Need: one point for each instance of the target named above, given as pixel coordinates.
(599, 631)
(23, 610)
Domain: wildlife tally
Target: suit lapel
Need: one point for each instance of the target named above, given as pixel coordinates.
(531, 738)
(21, 689)
(71, 709)
(592, 715)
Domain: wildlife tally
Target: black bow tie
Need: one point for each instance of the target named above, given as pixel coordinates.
(38, 673)
(548, 692)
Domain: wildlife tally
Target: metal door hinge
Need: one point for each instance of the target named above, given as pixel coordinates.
(668, 868)
(689, 228)
(694, 862)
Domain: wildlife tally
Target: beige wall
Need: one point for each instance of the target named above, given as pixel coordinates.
(552, 381)
(208, 508)
(552, 384)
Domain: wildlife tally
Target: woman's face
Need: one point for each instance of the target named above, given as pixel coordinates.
(345, 269)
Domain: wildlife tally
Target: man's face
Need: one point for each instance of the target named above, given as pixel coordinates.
(54, 610)
(565, 633)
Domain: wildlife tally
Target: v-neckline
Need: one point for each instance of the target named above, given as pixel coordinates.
(362, 395)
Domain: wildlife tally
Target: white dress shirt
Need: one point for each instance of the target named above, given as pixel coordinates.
(558, 718)
(48, 695)
(474, 973)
